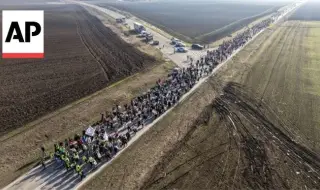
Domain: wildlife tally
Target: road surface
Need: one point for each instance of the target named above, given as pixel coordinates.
(179, 59)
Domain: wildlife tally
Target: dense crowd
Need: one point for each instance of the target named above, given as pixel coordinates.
(100, 142)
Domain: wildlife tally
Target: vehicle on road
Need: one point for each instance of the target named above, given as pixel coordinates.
(143, 33)
(197, 47)
(175, 41)
(121, 20)
(155, 43)
(179, 44)
(181, 49)
(138, 27)
(149, 37)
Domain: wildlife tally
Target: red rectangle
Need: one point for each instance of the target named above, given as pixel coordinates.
(23, 55)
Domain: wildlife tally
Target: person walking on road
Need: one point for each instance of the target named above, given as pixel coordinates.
(79, 170)
(43, 157)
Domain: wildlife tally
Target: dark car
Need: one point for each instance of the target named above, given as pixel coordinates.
(155, 43)
(149, 37)
(197, 46)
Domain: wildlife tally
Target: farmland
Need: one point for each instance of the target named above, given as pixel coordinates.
(269, 117)
(81, 57)
(205, 21)
(309, 11)
(255, 125)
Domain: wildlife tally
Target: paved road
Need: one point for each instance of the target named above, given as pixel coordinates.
(178, 58)
(53, 178)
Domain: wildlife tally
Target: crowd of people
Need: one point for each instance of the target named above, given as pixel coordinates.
(100, 142)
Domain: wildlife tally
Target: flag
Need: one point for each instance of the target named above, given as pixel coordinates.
(105, 136)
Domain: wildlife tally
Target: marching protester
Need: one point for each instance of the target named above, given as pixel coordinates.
(43, 157)
(106, 138)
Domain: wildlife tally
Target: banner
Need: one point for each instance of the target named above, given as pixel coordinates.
(90, 131)
(105, 136)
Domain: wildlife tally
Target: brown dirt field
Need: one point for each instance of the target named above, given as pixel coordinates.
(82, 56)
(255, 125)
(20, 149)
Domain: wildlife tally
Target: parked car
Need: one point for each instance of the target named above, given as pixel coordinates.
(181, 49)
(120, 20)
(143, 33)
(149, 37)
(197, 46)
(138, 27)
(155, 43)
(179, 44)
(175, 41)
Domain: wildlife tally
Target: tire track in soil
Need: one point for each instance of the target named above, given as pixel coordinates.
(290, 35)
(227, 152)
(290, 56)
(276, 61)
(223, 174)
(303, 103)
(89, 50)
(260, 128)
(233, 131)
(154, 179)
(237, 142)
(256, 152)
(259, 174)
(257, 49)
(271, 49)
(298, 40)
(268, 46)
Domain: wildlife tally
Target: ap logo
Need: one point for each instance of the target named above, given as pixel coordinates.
(22, 34)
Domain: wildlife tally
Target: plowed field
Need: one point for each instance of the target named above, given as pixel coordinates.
(196, 20)
(81, 57)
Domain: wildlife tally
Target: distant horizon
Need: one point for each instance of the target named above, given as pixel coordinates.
(253, 1)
